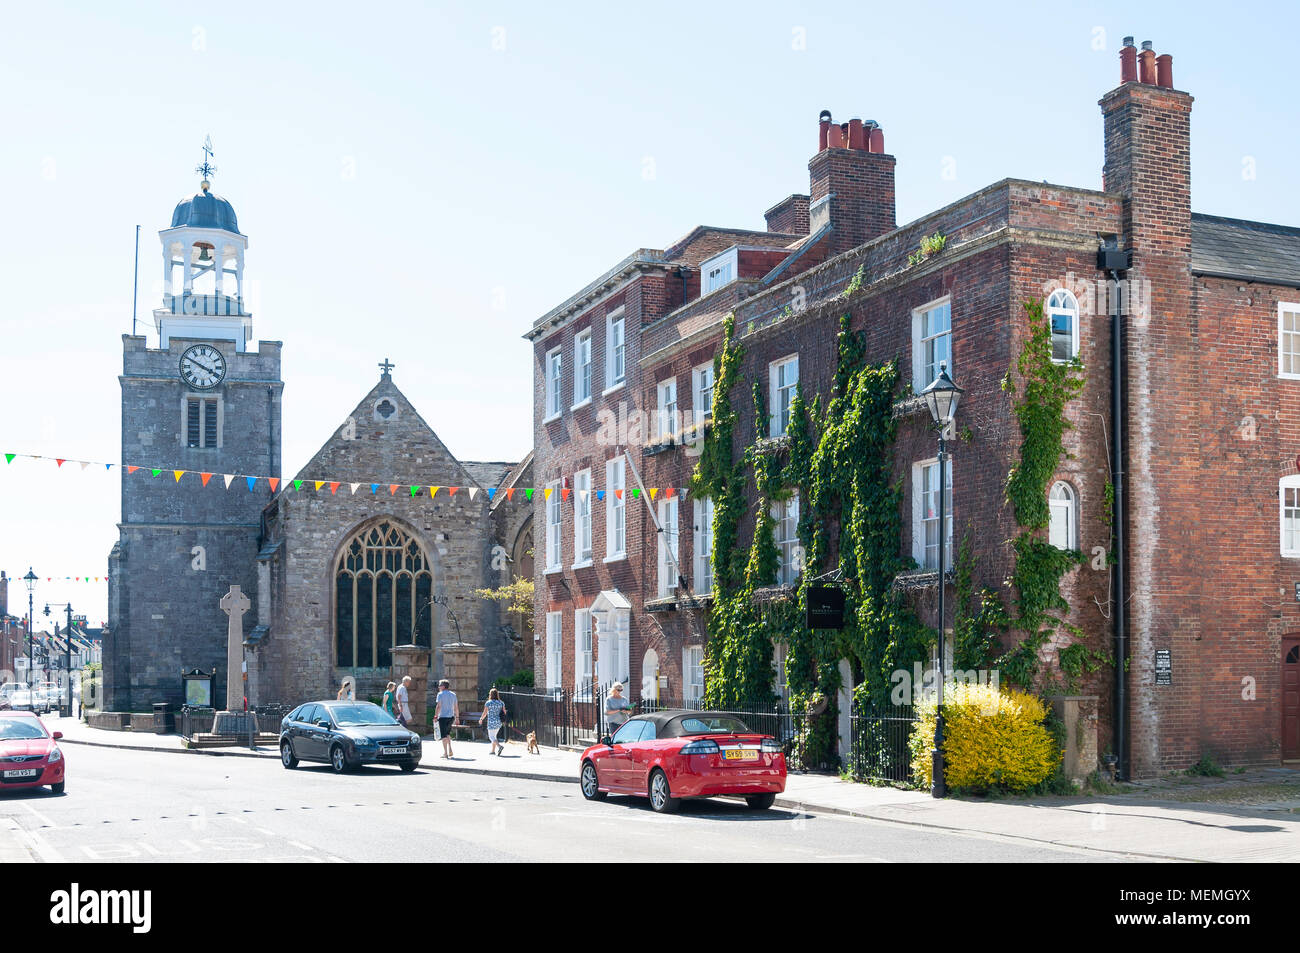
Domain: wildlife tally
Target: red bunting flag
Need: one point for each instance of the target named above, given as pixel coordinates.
(274, 481)
(333, 487)
(670, 492)
(60, 461)
(205, 477)
(451, 490)
(564, 493)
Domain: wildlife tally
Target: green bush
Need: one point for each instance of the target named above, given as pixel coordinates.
(521, 679)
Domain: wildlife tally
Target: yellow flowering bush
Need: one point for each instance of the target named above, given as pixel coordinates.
(992, 738)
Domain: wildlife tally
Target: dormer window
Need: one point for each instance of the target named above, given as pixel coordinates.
(718, 271)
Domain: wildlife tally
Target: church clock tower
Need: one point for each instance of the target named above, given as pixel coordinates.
(204, 402)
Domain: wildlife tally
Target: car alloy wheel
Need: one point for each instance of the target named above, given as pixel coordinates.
(338, 759)
(287, 757)
(661, 798)
(590, 783)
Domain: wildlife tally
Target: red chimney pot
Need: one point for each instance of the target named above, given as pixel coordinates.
(876, 140)
(857, 136)
(1165, 71)
(1128, 63)
(834, 137)
(1147, 67)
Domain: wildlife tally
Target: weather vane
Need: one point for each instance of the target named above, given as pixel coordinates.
(206, 168)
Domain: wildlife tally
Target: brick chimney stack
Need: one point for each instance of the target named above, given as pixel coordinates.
(1148, 162)
(851, 183)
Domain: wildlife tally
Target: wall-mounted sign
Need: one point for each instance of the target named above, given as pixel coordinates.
(825, 607)
(1164, 667)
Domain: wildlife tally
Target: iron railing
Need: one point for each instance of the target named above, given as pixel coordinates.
(878, 750)
(195, 721)
(560, 718)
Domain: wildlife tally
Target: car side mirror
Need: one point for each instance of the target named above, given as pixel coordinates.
(322, 724)
(607, 741)
(58, 736)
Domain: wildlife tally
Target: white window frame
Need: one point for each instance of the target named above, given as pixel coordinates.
(703, 545)
(666, 422)
(781, 391)
(719, 271)
(693, 673)
(582, 546)
(919, 521)
(1063, 508)
(554, 371)
(700, 377)
(780, 652)
(669, 517)
(615, 509)
(923, 371)
(1068, 306)
(785, 535)
(583, 656)
(1288, 337)
(1289, 483)
(554, 529)
(554, 651)
(615, 352)
(583, 369)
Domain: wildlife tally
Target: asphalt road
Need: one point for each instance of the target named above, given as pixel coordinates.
(141, 807)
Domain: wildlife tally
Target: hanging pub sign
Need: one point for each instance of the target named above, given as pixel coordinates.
(825, 607)
(1164, 667)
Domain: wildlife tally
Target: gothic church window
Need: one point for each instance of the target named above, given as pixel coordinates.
(383, 586)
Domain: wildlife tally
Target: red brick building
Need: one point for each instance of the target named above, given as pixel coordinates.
(1209, 388)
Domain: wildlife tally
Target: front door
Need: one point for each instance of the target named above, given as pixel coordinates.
(1291, 698)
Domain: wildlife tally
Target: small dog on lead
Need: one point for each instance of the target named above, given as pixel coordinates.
(532, 743)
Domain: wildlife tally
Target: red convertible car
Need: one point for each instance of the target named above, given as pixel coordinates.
(29, 756)
(671, 755)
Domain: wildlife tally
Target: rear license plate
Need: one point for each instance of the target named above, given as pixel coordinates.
(22, 773)
(392, 751)
(740, 754)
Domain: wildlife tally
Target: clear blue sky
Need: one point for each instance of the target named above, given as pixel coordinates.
(422, 182)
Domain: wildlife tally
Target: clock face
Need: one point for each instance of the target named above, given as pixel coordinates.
(202, 366)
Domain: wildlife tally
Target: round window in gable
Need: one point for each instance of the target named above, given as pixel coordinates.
(385, 409)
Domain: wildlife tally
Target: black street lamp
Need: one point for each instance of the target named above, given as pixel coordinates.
(30, 579)
(941, 399)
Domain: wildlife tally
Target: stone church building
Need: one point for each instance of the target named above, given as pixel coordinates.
(341, 563)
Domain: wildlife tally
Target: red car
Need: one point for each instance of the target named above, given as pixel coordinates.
(29, 756)
(671, 755)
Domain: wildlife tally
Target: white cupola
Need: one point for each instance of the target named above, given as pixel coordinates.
(203, 256)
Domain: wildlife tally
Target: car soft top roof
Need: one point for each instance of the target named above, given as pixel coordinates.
(668, 723)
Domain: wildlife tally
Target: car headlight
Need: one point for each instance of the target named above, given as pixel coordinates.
(55, 756)
(364, 742)
(415, 740)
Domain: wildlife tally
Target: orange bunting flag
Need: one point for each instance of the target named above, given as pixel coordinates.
(451, 490)
(392, 489)
(205, 477)
(334, 488)
(670, 492)
(179, 474)
(510, 493)
(131, 469)
(274, 481)
(564, 494)
(619, 494)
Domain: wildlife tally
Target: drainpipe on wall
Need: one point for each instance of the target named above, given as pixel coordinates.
(1115, 261)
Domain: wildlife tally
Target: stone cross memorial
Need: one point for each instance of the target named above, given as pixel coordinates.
(234, 603)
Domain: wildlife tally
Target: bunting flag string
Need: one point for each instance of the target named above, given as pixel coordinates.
(251, 481)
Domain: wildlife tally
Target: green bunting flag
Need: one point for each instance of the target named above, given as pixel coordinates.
(157, 472)
(636, 493)
(528, 492)
(414, 490)
(9, 457)
(297, 484)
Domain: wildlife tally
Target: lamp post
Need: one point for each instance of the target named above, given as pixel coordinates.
(30, 579)
(67, 649)
(941, 399)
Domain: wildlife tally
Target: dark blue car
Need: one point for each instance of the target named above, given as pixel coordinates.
(346, 735)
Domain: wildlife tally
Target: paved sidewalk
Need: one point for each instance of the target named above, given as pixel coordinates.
(1151, 823)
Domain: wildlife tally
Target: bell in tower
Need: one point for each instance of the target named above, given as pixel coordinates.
(203, 263)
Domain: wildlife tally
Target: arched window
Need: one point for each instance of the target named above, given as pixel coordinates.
(1063, 531)
(383, 583)
(1063, 312)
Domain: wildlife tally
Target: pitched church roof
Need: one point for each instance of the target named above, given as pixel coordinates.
(386, 440)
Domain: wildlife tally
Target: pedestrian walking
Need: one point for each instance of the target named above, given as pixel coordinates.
(346, 691)
(390, 700)
(616, 707)
(404, 702)
(494, 714)
(448, 710)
